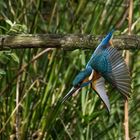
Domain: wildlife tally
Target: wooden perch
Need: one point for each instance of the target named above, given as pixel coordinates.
(68, 42)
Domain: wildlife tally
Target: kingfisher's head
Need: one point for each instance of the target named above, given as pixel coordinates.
(83, 78)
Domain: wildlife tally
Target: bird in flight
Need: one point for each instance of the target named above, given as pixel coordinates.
(106, 63)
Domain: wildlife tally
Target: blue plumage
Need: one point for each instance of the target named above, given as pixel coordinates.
(82, 75)
(106, 63)
(101, 48)
(100, 62)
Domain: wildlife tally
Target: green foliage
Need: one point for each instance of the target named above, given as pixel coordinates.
(42, 83)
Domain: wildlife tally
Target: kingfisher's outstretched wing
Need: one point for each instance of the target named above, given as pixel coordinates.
(107, 61)
(99, 86)
(119, 75)
(111, 65)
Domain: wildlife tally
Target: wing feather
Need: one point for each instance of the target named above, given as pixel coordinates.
(99, 87)
(119, 75)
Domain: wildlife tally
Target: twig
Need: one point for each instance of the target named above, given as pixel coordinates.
(126, 107)
(122, 19)
(17, 111)
(130, 16)
(126, 120)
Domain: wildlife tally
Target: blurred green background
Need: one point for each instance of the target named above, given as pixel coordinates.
(38, 89)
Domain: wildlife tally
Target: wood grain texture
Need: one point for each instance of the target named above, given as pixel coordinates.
(68, 42)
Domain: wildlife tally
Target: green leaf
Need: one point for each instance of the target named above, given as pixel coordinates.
(9, 22)
(14, 57)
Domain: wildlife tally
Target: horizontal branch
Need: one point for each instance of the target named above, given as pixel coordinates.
(68, 42)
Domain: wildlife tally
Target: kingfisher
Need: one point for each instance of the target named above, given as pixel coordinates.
(105, 64)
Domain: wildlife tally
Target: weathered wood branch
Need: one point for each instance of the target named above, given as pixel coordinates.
(69, 42)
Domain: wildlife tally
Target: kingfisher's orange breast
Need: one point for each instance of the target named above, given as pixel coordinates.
(96, 76)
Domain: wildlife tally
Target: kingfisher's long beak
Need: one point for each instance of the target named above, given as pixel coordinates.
(70, 93)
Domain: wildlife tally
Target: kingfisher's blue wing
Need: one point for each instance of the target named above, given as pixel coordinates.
(107, 61)
(111, 65)
(119, 75)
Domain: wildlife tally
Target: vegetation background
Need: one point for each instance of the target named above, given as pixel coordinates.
(29, 101)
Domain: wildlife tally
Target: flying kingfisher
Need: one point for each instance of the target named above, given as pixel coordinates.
(106, 63)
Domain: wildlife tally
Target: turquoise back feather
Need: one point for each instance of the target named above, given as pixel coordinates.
(101, 47)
